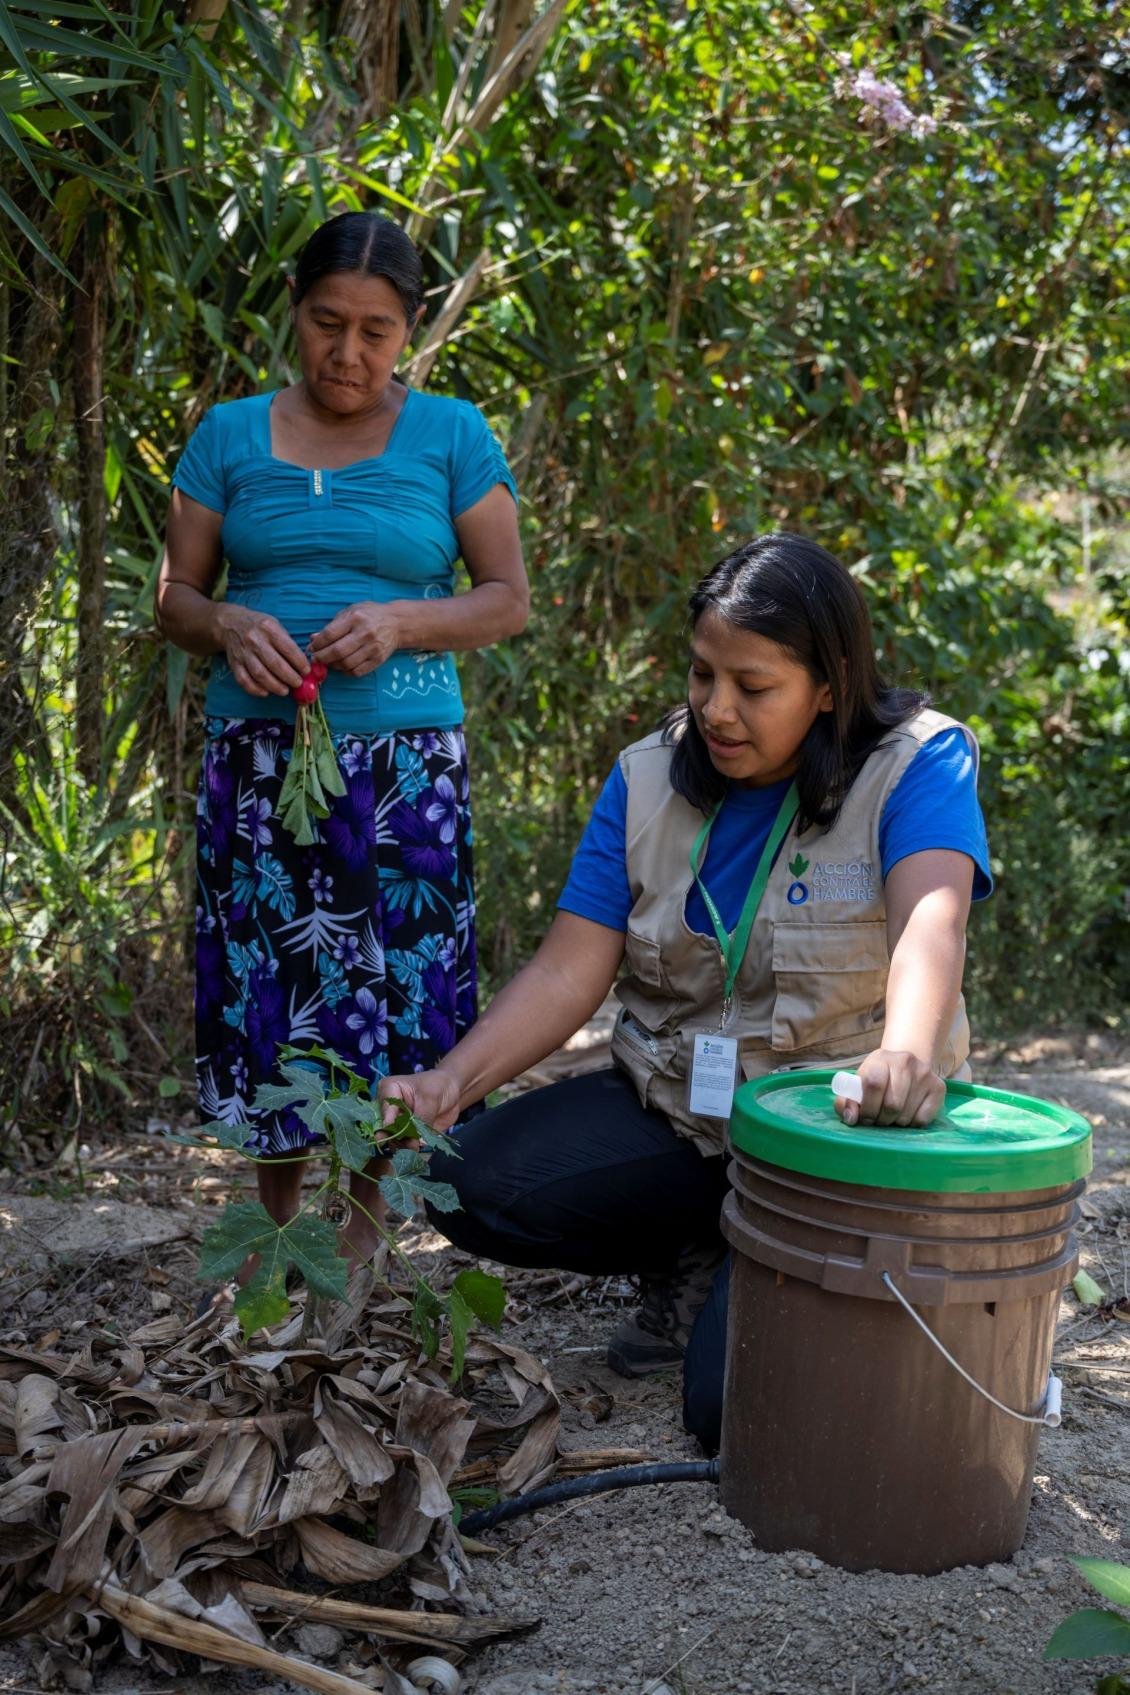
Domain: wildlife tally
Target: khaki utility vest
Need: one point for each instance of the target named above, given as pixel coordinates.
(810, 991)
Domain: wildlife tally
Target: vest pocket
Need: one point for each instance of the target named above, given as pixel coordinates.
(830, 981)
(642, 958)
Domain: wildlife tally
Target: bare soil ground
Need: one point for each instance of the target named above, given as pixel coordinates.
(655, 1591)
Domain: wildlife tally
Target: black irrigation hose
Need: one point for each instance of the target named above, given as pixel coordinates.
(621, 1477)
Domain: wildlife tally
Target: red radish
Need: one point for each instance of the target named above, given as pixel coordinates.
(319, 672)
(307, 690)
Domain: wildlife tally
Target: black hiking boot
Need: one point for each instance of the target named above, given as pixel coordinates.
(655, 1338)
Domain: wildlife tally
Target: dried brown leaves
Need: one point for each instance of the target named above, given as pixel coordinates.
(181, 1483)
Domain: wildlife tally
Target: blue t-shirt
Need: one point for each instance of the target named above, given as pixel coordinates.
(933, 805)
(301, 545)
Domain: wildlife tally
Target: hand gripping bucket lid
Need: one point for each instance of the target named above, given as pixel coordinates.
(984, 1141)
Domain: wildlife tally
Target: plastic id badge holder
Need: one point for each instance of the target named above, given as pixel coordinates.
(713, 1074)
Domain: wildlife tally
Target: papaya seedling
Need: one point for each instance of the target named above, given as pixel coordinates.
(332, 1101)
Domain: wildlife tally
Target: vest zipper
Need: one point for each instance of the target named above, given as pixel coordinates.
(635, 1032)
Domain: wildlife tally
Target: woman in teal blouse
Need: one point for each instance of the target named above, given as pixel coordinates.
(340, 506)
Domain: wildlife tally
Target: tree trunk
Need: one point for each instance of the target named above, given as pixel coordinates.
(206, 16)
(89, 342)
(373, 26)
(27, 530)
(513, 20)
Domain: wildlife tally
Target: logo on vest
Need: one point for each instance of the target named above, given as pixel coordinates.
(844, 880)
(797, 891)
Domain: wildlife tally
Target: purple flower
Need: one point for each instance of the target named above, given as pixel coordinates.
(335, 1033)
(239, 1074)
(355, 758)
(211, 962)
(258, 816)
(219, 790)
(348, 950)
(388, 917)
(351, 828)
(437, 1015)
(370, 1020)
(444, 809)
(426, 743)
(321, 884)
(425, 852)
(267, 1023)
(885, 99)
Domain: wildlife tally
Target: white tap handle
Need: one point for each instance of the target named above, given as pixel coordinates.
(847, 1087)
(1053, 1406)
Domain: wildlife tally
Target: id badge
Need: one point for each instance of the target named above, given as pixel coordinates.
(713, 1074)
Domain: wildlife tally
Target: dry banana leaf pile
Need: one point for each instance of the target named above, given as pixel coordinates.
(184, 1494)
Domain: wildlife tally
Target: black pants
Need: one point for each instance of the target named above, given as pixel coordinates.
(580, 1176)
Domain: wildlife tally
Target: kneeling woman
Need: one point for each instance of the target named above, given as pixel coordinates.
(788, 862)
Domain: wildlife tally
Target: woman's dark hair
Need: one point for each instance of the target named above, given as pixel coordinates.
(789, 590)
(365, 242)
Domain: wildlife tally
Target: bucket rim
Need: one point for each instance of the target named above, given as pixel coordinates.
(1046, 1147)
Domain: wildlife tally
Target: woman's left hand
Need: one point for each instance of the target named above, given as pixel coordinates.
(360, 638)
(898, 1088)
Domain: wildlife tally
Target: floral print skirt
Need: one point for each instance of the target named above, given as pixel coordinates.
(364, 942)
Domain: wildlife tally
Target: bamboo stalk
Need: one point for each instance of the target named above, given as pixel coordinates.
(434, 1629)
(89, 402)
(193, 1636)
(421, 363)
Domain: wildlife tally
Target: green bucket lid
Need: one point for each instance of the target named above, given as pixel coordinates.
(985, 1141)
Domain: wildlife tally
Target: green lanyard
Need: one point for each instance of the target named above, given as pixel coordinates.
(734, 944)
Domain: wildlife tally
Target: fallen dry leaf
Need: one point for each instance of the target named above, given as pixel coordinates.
(160, 1492)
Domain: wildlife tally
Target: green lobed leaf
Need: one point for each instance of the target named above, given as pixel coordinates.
(1087, 1291)
(484, 1294)
(215, 1134)
(407, 1127)
(443, 1197)
(304, 1090)
(261, 1303)
(1110, 1577)
(350, 1128)
(461, 1319)
(1088, 1633)
(427, 1308)
(400, 1192)
(246, 1227)
(349, 1120)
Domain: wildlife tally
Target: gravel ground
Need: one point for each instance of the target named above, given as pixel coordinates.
(656, 1591)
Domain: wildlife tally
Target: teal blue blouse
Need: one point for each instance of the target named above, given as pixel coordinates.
(302, 544)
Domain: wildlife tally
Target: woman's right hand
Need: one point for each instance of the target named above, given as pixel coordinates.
(263, 658)
(432, 1095)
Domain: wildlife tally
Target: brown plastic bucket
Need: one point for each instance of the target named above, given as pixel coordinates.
(845, 1431)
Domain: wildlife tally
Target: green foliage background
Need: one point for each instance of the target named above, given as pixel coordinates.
(701, 290)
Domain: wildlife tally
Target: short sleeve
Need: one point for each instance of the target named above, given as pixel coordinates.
(200, 469)
(597, 886)
(477, 461)
(934, 805)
